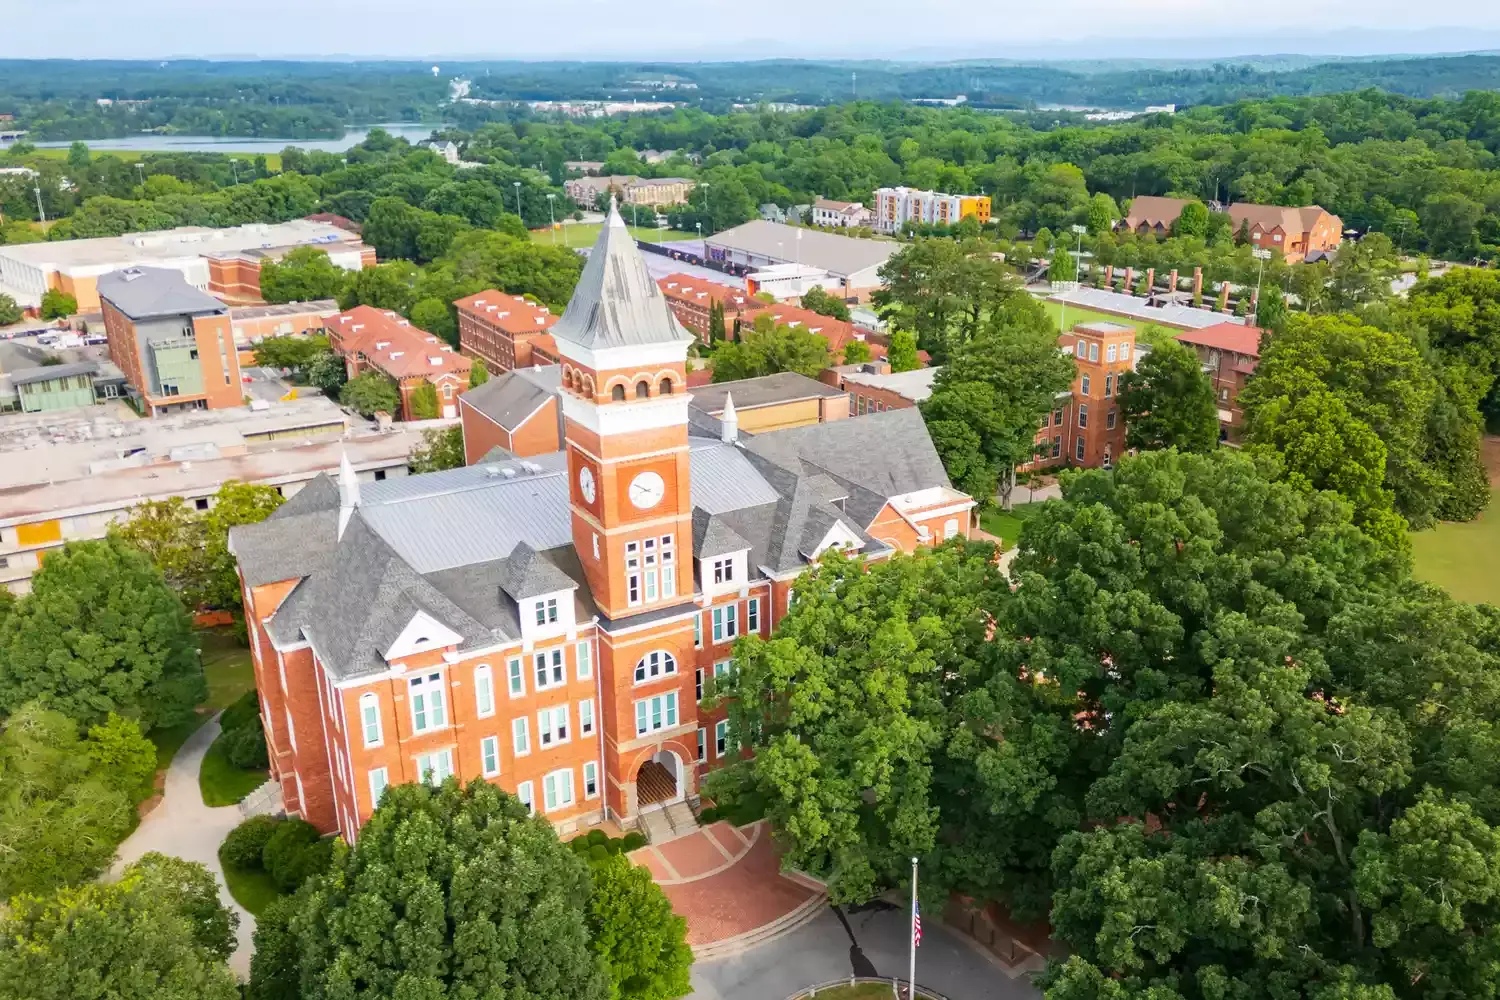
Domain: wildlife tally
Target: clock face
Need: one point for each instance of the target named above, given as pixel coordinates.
(586, 483)
(646, 490)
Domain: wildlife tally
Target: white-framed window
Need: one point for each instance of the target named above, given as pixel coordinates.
(1081, 349)
(586, 717)
(659, 712)
(526, 796)
(697, 631)
(724, 570)
(752, 616)
(726, 625)
(649, 557)
(520, 736)
(950, 527)
(378, 783)
(633, 572)
(1083, 414)
(515, 677)
(585, 654)
(722, 667)
(427, 708)
(721, 737)
(590, 779)
(434, 768)
(1093, 351)
(551, 671)
(489, 755)
(484, 691)
(702, 745)
(1109, 384)
(552, 726)
(1078, 449)
(668, 566)
(698, 687)
(1111, 419)
(546, 611)
(657, 663)
(557, 790)
(291, 730)
(1083, 386)
(1110, 353)
(369, 718)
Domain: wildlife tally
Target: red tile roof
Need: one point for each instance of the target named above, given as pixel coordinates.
(391, 344)
(702, 292)
(1230, 337)
(837, 332)
(514, 314)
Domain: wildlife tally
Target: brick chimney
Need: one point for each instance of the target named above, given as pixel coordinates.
(1224, 297)
(1109, 277)
(1172, 282)
(1197, 282)
(1150, 281)
(1128, 288)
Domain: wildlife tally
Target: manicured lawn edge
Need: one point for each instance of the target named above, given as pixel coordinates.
(223, 784)
(254, 890)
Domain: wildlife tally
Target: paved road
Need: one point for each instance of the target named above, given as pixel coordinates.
(872, 942)
(182, 826)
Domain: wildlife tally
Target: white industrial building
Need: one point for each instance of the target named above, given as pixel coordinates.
(852, 264)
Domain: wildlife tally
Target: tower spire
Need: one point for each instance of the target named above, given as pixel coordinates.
(729, 421)
(348, 491)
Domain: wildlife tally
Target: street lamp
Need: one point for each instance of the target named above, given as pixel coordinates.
(1261, 254)
(234, 168)
(1067, 286)
(518, 197)
(700, 238)
(705, 203)
(552, 217)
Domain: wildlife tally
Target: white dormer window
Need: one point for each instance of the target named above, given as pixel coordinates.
(546, 611)
(381, 345)
(422, 634)
(396, 354)
(841, 537)
(724, 570)
(434, 360)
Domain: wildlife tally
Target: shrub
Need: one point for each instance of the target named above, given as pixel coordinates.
(246, 844)
(283, 854)
(580, 844)
(597, 837)
(598, 852)
(244, 712)
(633, 840)
(245, 748)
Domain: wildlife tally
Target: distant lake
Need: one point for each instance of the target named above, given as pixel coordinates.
(150, 142)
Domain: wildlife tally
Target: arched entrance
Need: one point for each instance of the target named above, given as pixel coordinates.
(659, 781)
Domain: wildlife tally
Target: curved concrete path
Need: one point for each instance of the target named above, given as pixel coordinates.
(183, 827)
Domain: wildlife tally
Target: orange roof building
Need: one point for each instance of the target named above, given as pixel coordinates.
(504, 329)
(1229, 353)
(369, 338)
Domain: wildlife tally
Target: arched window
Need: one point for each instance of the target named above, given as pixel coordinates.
(658, 663)
(642, 389)
(666, 387)
(617, 394)
(588, 385)
(567, 377)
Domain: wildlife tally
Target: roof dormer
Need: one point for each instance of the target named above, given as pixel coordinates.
(422, 634)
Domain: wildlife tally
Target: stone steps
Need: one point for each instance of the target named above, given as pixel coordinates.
(784, 924)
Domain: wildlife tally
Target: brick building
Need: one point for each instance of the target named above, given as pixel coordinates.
(503, 329)
(174, 343)
(1295, 233)
(1085, 428)
(369, 338)
(874, 388)
(690, 299)
(550, 624)
(234, 275)
(1229, 353)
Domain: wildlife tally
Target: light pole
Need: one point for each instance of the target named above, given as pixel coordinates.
(552, 217)
(41, 214)
(234, 169)
(140, 169)
(1261, 254)
(700, 239)
(518, 200)
(1071, 285)
(705, 205)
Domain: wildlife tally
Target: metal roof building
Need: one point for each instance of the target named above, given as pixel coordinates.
(1135, 308)
(759, 243)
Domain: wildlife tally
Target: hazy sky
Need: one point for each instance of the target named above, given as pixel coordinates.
(687, 30)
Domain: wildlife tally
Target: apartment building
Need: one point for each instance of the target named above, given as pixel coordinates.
(630, 189)
(1229, 353)
(550, 624)
(896, 206)
(1296, 233)
(503, 329)
(174, 343)
(368, 338)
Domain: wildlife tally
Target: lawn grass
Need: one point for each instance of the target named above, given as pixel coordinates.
(1461, 558)
(1146, 333)
(223, 784)
(229, 673)
(251, 888)
(579, 235)
(1005, 525)
(859, 991)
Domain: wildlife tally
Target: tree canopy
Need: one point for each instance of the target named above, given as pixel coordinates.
(371, 392)
(1168, 402)
(303, 275)
(769, 347)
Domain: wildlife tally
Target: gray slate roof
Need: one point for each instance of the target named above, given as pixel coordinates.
(712, 536)
(617, 303)
(295, 541)
(528, 573)
(145, 292)
(510, 398)
(766, 390)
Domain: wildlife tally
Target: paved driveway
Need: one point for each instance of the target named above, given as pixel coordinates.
(868, 942)
(183, 827)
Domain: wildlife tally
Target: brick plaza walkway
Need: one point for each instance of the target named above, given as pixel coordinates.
(725, 881)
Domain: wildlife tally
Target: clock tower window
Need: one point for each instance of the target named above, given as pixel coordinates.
(617, 394)
(633, 572)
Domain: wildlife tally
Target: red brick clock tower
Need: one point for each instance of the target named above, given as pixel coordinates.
(625, 410)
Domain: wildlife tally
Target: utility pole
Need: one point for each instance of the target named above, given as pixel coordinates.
(41, 214)
(705, 187)
(854, 84)
(234, 168)
(518, 198)
(140, 169)
(552, 217)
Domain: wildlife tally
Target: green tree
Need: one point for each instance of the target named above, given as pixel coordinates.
(987, 402)
(68, 801)
(1270, 310)
(159, 933)
(327, 372)
(9, 311)
(101, 632)
(633, 929)
(1103, 214)
(770, 347)
(441, 448)
(371, 392)
(716, 332)
(1168, 401)
(819, 301)
(902, 352)
(856, 352)
(1193, 221)
(433, 315)
(1063, 267)
(479, 373)
(303, 275)
(391, 285)
(424, 402)
(947, 293)
(293, 352)
(58, 305)
(170, 533)
(234, 503)
(78, 156)
(455, 873)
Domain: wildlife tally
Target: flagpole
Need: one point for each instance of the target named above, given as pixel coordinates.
(911, 975)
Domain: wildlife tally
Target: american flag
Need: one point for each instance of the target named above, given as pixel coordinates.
(916, 925)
